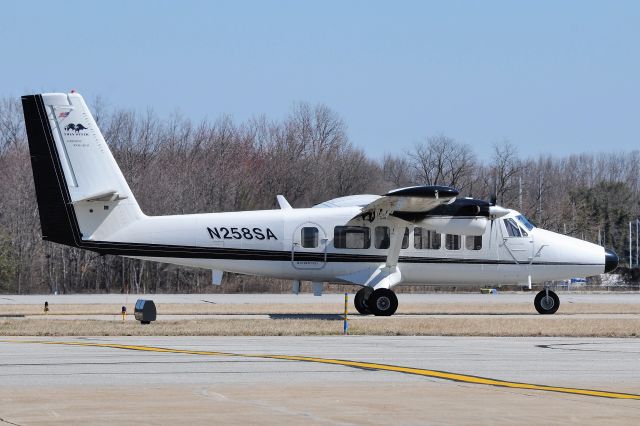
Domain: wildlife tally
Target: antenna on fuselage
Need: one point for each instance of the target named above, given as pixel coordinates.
(283, 203)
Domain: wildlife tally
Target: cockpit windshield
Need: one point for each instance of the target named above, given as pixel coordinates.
(523, 220)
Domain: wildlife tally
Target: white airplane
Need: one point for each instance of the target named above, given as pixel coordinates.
(418, 235)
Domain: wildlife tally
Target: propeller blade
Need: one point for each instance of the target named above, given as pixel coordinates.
(496, 212)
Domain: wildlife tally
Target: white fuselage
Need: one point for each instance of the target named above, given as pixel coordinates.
(268, 243)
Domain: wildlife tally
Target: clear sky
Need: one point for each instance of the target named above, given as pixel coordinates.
(550, 76)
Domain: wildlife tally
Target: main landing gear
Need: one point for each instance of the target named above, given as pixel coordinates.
(381, 302)
(546, 302)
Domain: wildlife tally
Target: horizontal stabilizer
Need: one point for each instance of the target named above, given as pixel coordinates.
(109, 195)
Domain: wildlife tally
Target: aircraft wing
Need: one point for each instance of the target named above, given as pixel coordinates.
(402, 206)
(406, 203)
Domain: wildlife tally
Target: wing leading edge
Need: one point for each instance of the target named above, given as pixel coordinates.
(407, 202)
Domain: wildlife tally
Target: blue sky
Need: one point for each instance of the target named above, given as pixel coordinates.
(550, 76)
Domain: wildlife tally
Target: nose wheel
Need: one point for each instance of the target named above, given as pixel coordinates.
(381, 302)
(546, 302)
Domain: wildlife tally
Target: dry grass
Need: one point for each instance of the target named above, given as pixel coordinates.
(489, 326)
(284, 325)
(320, 308)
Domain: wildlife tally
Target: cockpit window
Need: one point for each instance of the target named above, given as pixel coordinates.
(527, 224)
(512, 229)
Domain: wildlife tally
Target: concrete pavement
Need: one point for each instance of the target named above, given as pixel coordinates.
(201, 388)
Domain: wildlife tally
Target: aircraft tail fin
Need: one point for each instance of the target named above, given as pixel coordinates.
(81, 192)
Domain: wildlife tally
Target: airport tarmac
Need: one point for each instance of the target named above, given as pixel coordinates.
(328, 298)
(353, 317)
(319, 380)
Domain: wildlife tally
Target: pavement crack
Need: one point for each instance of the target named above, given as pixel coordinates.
(567, 347)
(8, 422)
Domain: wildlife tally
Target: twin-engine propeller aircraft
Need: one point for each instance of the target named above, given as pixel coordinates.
(419, 235)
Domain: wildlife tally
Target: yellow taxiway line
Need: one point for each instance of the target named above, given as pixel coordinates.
(465, 378)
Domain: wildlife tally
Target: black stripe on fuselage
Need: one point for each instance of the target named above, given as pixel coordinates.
(190, 252)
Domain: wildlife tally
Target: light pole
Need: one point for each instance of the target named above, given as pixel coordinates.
(637, 245)
(630, 246)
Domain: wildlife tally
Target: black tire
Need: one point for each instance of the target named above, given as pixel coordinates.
(382, 302)
(360, 301)
(546, 305)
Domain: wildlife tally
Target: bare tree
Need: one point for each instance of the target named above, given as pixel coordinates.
(443, 161)
(397, 171)
(505, 167)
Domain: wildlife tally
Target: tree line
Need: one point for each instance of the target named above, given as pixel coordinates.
(177, 166)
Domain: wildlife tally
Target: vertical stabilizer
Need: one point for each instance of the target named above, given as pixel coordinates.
(82, 194)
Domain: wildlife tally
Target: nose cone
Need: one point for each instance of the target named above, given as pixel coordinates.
(610, 260)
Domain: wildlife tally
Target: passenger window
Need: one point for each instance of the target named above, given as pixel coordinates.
(351, 237)
(452, 242)
(424, 239)
(382, 237)
(309, 237)
(405, 239)
(473, 242)
(435, 240)
(417, 238)
(512, 229)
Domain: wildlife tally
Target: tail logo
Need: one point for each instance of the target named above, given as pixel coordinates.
(76, 129)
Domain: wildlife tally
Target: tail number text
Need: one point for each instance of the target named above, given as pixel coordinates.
(232, 233)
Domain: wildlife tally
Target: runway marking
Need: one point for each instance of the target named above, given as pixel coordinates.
(445, 375)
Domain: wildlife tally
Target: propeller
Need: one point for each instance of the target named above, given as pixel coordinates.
(496, 212)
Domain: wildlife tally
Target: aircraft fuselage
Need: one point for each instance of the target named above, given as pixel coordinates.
(269, 243)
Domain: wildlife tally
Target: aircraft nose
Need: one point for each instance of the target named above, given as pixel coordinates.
(610, 260)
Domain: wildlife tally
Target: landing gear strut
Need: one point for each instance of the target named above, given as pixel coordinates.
(546, 302)
(381, 302)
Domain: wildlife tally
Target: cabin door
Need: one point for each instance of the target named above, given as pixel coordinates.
(518, 243)
(309, 248)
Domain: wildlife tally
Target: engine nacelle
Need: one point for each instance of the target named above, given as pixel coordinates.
(455, 225)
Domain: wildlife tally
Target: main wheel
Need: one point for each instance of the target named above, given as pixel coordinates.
(360, 301)
(546, 302)
(382, 302)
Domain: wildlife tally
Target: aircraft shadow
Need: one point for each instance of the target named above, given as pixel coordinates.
(307, 316)
(425, 314)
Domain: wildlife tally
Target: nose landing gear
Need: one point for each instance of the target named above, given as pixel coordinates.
(546, 302)
(380, 302)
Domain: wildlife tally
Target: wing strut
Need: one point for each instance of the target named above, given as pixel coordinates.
(397, 235)
(388, 274)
